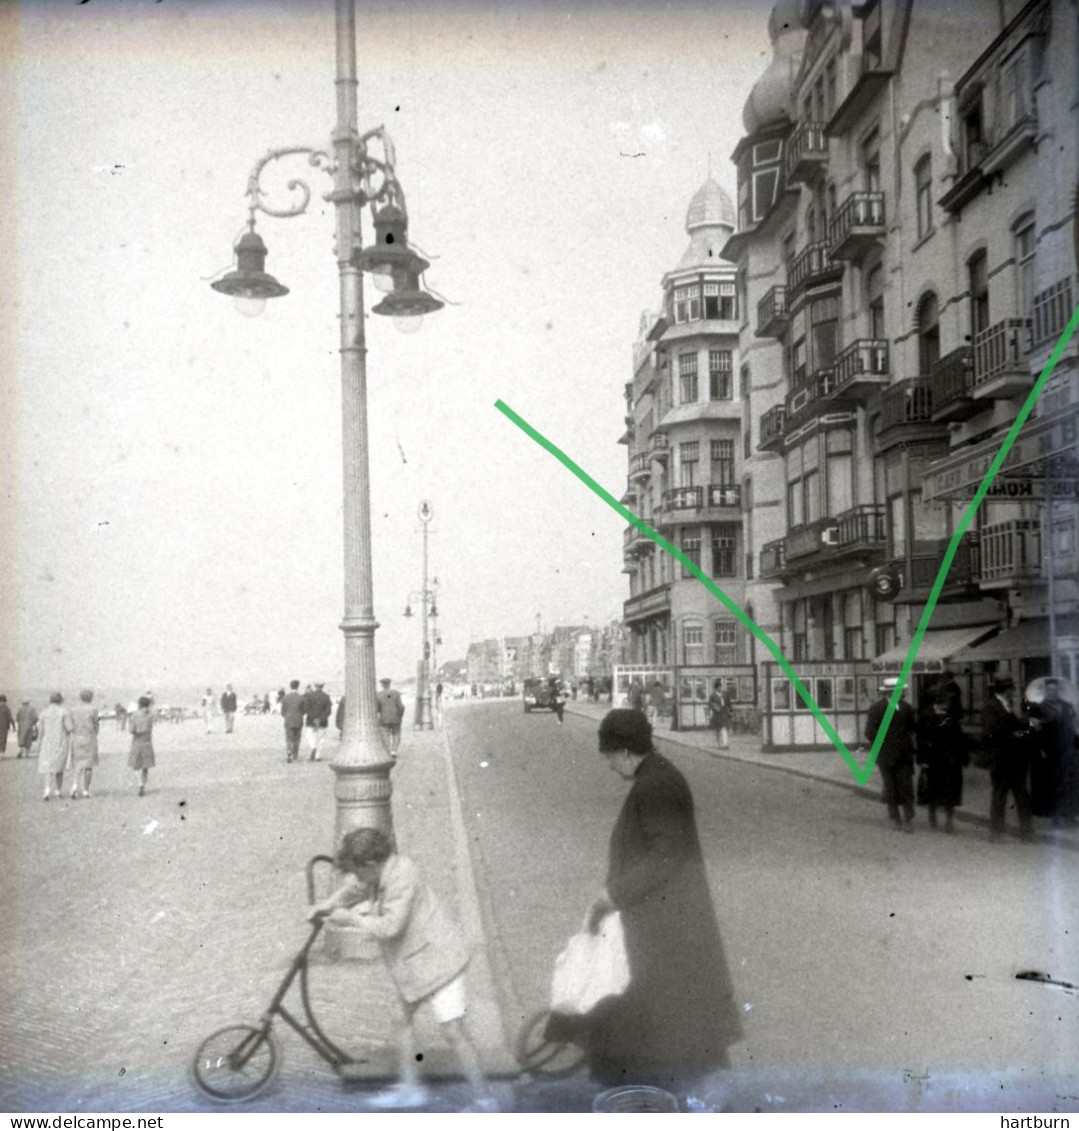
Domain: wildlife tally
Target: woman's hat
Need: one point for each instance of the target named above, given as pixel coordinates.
(625, 729)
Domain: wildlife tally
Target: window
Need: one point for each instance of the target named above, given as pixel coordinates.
(839, 451)
(693, 643)
(687, 376)
(979, 293)
(687, 304)
(875, 298)
(823, 333)
(725, 639)
(1024, 259)
(691, 547)
(765, 184)
(829, 87)
(897, 526)
(722, 452)
(724, 547)
(871, 161)
(973, 134)
(923, 195)
(928, 334)
(1013, 99)
(719, 300)
(687, 463)
(719, 375)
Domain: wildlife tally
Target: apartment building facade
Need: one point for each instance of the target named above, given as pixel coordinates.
(906, 262)
(684, 439)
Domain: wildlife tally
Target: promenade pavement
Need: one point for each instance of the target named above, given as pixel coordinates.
(829, 766)
(136, 926)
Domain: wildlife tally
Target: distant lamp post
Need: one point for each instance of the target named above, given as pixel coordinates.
(428, 599)
(362, 169)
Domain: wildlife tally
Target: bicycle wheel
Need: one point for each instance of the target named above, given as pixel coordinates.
(236, 1062)
(536, 1054)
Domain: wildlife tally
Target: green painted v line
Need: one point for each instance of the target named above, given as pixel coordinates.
(861, 773)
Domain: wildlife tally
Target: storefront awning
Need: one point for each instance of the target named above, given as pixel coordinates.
(936, 647)
(1029, 638)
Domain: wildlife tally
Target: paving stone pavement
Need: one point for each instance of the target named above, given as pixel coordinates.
(136, 926)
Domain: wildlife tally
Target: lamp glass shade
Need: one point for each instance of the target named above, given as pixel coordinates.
(408, 323)
(250, 306)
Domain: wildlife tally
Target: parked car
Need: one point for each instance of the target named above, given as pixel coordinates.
(539, 694)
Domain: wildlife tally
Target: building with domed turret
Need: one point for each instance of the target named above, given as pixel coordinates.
(685, 440)
(906, 260)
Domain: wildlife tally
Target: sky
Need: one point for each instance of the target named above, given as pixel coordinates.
(171, 471)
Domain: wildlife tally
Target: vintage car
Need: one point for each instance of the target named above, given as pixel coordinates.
(539, 694)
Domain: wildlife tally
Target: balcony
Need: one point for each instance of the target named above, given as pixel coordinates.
(1016, 139)
(772, 424)
(906, 412)
(682, 499)
(953, 381)
(961, 578)
(640, 467)
(1052, 309)
(1000, 370)
(723, 496)
(651, 603)
(807, 153)
(772, 317)
(810, 267)
(858, 226)
(1011, 553)
(860, 370)
(861, 530)
(659, 447)
(812, 539)
(773, 558)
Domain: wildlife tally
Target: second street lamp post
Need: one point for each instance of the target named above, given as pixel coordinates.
(360, 179)
(428, 607)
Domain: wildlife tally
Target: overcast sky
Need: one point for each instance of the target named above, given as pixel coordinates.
(172, 471)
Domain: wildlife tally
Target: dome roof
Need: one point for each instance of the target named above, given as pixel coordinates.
(710, 206)
(769, 100)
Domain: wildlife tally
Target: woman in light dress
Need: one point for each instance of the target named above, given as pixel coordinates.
(141, 726)
(54, 729)
(83, 744)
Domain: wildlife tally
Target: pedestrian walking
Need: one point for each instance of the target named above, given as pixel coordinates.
(84, 755)
(391, 710)
(385, 897)
(1059, 758)
(895, 759)
(558, 699)
(292, 715)
(7, 723)
(1005, 739)
(339, 716)
(141, 756)
(121, 716)
(657, 699)
(228, 707)
(317, 708)
(677, 1018)
(438, 704)
(25, 728)
(207, 709)
(54, 729)
(635, 695)
(720, 713)
(943, 752)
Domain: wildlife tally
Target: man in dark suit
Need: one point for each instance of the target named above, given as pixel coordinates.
(292, 714)
(895, 759)
(1004, 738)
(317, 708)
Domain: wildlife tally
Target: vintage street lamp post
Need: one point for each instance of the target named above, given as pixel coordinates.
(429, 607)
(360, 179)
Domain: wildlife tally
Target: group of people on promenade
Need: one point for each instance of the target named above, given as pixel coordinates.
(65, 741)
(1030, 755)
(307, 715)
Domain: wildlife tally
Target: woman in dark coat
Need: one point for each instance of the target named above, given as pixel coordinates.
(677, 1018)
(942, 749)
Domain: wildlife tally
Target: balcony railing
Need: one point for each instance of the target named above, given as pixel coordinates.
(640, 466)
(648, 604)
(772, 317)
(1052, 309)
(810, 265)
(999, 367)
(813, 538)
(861, 368)
(772, 423)
(683, 498)
(953, 383)
(807, 153)
(861, 528)
(858, 225)
(659, 446)
(909, 401)
(773, 558)
(964, 571)
(724, 495)
(1011, 551)
(1011, 143)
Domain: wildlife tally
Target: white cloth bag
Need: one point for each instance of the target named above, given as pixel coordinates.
(591, 968)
